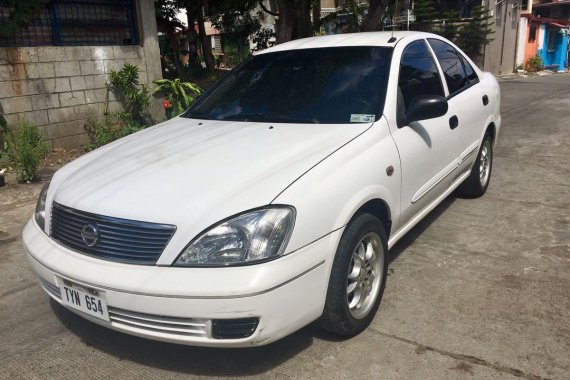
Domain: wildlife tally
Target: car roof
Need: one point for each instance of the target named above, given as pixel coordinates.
(387, 39)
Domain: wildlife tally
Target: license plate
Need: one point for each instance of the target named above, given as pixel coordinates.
(79, 299)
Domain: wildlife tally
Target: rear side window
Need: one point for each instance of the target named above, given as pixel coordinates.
(418, 76)
(458, 73)
(472, 77)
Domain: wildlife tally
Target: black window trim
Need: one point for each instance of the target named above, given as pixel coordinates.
(435, 61)
(463, 60)
(381, 107)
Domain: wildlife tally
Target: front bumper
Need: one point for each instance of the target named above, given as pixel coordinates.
(178, 305)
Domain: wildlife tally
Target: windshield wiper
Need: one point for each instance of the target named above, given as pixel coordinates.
(199, 115)
(268, 118)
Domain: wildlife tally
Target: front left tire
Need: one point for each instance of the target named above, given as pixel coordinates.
(358, 277)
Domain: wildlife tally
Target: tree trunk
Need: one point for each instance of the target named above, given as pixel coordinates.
(192, 13)
(375, 13)
(205, 41)
(316, 16)
(294, 20)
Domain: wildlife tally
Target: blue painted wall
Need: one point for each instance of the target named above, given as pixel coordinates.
(558, 55)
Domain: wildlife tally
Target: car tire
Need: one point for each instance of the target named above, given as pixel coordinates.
(478, 181)
(358, 277)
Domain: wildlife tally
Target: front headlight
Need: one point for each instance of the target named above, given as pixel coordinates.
(40, 214)
(251, 237)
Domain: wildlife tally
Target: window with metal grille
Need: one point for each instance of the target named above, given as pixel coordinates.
(76, 22)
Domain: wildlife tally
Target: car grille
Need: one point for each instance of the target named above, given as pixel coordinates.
(167, 325)
(121, 240)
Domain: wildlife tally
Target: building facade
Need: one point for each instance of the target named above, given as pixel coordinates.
(54, 72)
(545, 26)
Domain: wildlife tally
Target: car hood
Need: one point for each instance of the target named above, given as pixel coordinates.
(193, 173)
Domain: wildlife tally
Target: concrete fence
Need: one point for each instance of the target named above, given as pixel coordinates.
(60, 89)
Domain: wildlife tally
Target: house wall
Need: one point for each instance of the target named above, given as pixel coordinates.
(556, 56)
(62, 88)
(500, 53)
(541, 33)
(522, 39)
(531, 48)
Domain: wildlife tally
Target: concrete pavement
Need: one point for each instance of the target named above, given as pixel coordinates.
(478, 290)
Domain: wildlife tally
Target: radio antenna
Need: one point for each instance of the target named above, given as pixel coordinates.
(394, 21)
(392, 38)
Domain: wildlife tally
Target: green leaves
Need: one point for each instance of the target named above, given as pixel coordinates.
(25, 150)
(113, 127)
(179, 95)
(134, 96)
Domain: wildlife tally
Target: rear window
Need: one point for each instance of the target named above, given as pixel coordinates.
(324, 85)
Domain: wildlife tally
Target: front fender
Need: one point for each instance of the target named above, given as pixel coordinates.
(329, 195)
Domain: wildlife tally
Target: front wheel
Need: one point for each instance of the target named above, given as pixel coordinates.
(358, 277)
(478, 181)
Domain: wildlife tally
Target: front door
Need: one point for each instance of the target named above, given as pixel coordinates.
(427, 148)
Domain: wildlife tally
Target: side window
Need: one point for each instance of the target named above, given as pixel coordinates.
(418, 76)
(451, 64)
(472, 77)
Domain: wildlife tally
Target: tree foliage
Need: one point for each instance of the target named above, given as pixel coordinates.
(476, 32)
(179, 95)
(471, 34)
(425, 12)
(21, 13)
(134, 95)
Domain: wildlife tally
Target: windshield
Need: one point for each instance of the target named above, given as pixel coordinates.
(324, 85)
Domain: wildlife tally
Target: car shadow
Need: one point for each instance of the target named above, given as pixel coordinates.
(186, 359)
(419, 228)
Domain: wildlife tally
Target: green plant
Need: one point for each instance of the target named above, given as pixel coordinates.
(476, 32)
(448, 27)
(134, 96)
(111, 128)
(425, 13)
(535, 63)
(179, 95)
(263, 39)
(25, 150)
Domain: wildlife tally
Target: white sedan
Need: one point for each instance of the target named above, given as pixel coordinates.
(273, 201)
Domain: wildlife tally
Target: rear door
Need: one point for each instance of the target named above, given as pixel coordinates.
(427, 148)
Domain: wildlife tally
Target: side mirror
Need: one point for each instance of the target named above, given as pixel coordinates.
(426, 107)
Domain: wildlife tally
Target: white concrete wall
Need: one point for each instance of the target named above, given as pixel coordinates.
(521, 42)
(540, 37)
(62, 88)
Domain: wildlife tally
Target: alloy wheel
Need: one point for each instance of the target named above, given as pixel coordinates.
(365, 275)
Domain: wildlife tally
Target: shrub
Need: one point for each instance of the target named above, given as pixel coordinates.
(179, 95)
(134, 96)
(25, 150)
(112, 128)
(535, 63)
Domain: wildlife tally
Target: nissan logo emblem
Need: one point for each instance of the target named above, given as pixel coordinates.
(90, 234)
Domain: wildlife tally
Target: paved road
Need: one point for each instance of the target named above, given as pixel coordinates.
(481, 289)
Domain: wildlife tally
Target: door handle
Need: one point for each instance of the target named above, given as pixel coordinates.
(485, 100)
(453, 122)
